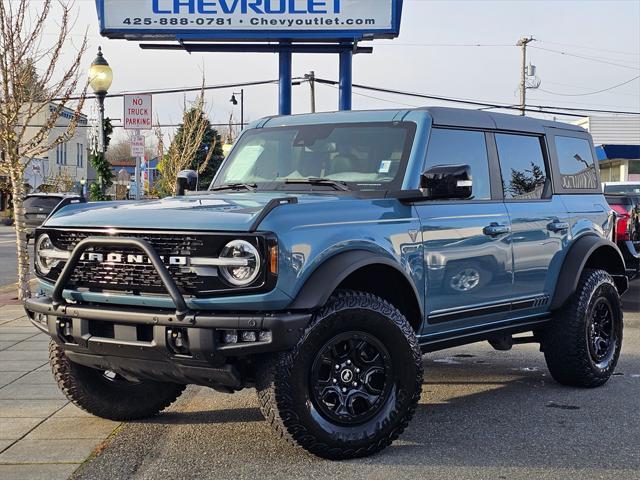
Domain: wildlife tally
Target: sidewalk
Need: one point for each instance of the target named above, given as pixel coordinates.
(42, 435)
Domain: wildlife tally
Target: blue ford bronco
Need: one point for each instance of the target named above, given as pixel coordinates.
(330, 252)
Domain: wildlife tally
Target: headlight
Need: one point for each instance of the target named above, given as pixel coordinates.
(242, 263)
(45, 256)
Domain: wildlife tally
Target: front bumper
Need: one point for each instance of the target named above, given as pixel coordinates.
(141, 343)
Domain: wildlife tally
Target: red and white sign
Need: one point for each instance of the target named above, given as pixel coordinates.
(137, 146)
(138, 112)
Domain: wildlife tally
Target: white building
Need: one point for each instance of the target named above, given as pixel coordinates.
(617, 141)
(70, 157)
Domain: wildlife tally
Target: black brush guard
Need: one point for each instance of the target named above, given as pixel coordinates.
(152, 358)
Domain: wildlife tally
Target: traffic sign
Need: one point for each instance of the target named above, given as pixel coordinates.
(137, 146)
(138, 112)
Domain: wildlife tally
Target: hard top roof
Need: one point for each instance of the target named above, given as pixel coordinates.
(442, 116)
(462, 117)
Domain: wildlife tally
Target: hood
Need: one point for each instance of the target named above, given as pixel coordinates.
(224, 212)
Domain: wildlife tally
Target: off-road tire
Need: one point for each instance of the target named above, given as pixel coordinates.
(284, 380)
(90, 390)
(566, 340)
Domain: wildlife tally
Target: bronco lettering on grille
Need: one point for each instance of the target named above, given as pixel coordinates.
(130, 259)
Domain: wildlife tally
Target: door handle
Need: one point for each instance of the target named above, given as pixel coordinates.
(494, 230)
(558, 226)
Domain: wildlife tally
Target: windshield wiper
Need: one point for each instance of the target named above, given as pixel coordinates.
(235, 186)
(338, 185)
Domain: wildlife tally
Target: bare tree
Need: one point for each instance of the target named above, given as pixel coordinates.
(184, 145)
(35, 91)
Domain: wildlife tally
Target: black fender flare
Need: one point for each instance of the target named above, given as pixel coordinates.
(329, 275)
(575, 261)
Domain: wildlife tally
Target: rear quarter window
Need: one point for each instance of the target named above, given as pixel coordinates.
(576, 163)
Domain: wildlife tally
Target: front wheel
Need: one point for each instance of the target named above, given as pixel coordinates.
(583, 342)
(107, 394)
(352, 383)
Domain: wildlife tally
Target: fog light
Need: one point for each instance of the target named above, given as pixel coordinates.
(265, 336)
(230, 336)
(249, 336)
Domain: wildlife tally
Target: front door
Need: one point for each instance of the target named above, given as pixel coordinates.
(468, 260)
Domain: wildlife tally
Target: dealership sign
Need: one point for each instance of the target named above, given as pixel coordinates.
(250, 19)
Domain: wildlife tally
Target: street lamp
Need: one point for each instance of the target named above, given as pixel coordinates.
(83, 182)
(235, 102)
(100, 79)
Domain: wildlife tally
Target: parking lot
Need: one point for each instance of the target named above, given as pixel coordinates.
(483, 414)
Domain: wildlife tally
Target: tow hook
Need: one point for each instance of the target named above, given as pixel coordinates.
(178, 341)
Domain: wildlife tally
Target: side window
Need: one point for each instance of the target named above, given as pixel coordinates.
(576, 163)
(524, 173)
(462, 147)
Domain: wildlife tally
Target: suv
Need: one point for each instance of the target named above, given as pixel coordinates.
(330, 252)
(38, 206)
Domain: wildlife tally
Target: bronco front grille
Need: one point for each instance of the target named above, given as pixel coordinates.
(142, 277)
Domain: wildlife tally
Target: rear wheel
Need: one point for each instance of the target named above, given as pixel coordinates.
(582, 344)
(107, 394)
(352, 383)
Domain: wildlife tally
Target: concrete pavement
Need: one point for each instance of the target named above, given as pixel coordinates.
(42, 435)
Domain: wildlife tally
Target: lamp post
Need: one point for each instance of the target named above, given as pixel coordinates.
(83, 182)
(235, 102)
(100, 79)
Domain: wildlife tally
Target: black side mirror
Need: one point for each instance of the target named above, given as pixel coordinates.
(447, 182)
(187, 181)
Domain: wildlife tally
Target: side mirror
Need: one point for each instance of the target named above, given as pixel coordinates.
(447, 182)
(187, 181)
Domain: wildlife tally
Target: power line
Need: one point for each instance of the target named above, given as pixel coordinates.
(554, 110)
(585, 47)
(584, 57)
(182, 89)
(590, 93)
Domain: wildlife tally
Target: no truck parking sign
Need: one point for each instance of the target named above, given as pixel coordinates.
(138, 112)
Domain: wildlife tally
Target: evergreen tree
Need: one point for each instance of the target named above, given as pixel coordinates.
(211, 139)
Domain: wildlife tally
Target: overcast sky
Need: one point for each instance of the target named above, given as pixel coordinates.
(430, 56)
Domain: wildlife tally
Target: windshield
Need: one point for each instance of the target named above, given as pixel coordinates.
(622, 189)
(362, 156)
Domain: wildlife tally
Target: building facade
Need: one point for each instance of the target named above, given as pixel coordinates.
(617, 141)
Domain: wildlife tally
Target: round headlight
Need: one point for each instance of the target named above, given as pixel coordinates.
(241, 263)
(43, 258)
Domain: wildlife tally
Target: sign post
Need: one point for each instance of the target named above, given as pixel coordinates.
(138, 116)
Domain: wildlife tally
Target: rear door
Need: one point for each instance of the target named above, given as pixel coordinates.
(468, 261)
(540, 224)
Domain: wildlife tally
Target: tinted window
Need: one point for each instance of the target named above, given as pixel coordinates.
(47, 203)
(524, 174)
(462, 147)
(576, 164)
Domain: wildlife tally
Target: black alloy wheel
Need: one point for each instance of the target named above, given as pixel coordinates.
(601, 332)
(351, 378)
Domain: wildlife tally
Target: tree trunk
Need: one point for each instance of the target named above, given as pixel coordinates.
(24, 290)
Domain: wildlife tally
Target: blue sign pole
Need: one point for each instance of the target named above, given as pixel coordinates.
(285, 57)
(346, 80)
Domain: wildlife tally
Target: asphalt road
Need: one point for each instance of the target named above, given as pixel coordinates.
(483, 415)
(8, 257)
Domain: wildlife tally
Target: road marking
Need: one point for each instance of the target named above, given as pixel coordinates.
(10, 241)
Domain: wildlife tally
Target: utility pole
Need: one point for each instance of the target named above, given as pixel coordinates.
(522, 43)
(311, 77)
